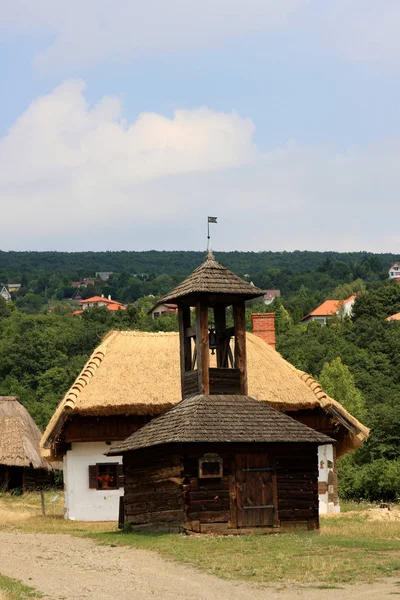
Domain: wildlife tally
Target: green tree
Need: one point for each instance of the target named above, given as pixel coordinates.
(338, 382)
(283, 320)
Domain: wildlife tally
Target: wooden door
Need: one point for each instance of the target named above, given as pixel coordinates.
(256, 496)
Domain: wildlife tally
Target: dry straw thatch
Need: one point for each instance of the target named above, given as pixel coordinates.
(134, 372)
(19, 436)
(212, 278)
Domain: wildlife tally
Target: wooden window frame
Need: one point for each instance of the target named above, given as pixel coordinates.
(211, 458)
(94, 471)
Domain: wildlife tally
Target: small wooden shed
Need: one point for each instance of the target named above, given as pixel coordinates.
(21, 465)
(219, 460)
(221, 463)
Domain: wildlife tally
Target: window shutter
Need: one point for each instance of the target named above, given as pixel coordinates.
(120, 476)
(93, 477)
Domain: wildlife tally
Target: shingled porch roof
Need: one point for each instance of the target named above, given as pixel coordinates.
(220, 419)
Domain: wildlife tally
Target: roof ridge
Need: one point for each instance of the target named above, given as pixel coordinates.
(88, 371)
(313, 384)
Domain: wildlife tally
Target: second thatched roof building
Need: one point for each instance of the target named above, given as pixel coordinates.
(22, 466)
(133, 376)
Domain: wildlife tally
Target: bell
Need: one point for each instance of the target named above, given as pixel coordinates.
(212, 341)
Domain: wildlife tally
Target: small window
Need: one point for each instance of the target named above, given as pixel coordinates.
(210, 466)
(105, 476)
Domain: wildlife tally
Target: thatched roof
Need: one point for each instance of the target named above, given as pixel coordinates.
(134, 372)
(212, 278)
(220, 419)
(19, 436)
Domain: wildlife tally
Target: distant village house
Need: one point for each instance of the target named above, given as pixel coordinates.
(395, 317)
(329, 308)
(104, 275)
(83, 283)
(14, 287)
(99, 302)
(7, 290)
(270, 296)
(394, 271)
(163, 310)
(4, 293)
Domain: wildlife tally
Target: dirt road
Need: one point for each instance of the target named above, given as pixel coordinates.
(68, 568)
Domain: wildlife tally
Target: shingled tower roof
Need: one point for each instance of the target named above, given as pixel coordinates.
(220, 418)
(212, 278)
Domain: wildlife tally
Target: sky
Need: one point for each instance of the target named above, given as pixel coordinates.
(124, 124)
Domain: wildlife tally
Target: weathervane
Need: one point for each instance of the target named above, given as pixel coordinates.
(209, 220)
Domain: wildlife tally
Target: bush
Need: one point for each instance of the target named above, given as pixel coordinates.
(377, 480)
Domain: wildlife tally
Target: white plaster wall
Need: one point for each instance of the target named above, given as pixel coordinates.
(326, 457)
(348, 308)
(321, 320)
(81, 502)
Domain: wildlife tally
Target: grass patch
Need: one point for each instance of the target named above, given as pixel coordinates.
(301, 557)
(11, 589)
(347, 549)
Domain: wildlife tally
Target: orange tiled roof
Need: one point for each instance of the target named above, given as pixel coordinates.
(329, 307)
(395, 317)
(95, 299)
(116, 306)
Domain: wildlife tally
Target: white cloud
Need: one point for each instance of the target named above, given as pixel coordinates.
(60, 136)
(78, 176)
(363, 31)
(64, 155)
(88, 31)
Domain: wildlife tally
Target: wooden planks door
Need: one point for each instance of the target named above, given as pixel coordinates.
(256, 494)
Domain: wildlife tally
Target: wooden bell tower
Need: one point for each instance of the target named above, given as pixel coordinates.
(229, 376)
(212, 355)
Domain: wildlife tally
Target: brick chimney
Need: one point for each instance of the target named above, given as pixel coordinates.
(264, 327)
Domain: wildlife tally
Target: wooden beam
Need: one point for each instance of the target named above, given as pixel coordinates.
(184, 343)
(239, 317)
(220, 326)
(203, 358)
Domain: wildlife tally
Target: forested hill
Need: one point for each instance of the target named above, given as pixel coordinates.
(177, 262)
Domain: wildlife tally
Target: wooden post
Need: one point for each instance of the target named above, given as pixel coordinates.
(42, 502)
(220, 325)
(202, 345)
(185, 343)
(239, 317)
(275, 495)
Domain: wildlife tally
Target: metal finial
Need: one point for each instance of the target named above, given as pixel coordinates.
(209, 220)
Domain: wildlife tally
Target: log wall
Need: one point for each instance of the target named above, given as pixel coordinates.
(163, 491)
(297, 479)
(206, 500)
(153, 497)
(25, 478)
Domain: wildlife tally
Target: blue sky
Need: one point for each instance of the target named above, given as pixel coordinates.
(123, 127)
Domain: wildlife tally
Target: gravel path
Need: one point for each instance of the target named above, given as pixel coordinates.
(67, 568)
